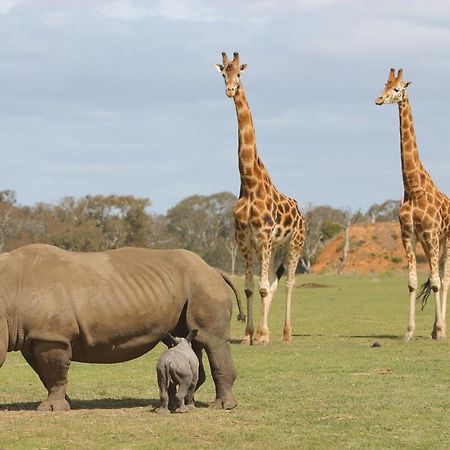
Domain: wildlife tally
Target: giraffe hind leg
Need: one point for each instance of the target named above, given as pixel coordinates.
(430, 245)
(293, 252)
(445, 284)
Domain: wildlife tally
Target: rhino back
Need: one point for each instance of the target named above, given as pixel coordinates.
(112, 306)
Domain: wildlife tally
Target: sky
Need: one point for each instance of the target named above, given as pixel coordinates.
(122, 96)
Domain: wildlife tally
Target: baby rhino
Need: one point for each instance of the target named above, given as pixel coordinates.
(177, 370)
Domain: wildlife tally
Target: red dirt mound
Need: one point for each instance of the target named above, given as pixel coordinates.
(373, 247)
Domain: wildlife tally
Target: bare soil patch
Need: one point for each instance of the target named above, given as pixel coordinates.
(374, 248)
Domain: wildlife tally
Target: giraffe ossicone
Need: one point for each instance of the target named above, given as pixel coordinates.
(265, 218)
(424, 213)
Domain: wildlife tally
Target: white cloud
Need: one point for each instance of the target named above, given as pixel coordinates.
(374, 37)
(7, 5)
(190, 10)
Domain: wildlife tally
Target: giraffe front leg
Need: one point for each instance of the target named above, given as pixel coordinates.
(269, 279)
(410, 247)
(249, 288)
(246, 250)
(265, 256)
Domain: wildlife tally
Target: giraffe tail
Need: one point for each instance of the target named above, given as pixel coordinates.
(229, 281)
(425, 291)
(280, 271)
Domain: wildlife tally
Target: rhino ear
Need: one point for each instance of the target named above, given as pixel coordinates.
(191, 335)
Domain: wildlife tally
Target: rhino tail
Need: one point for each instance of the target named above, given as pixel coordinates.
(229, 281)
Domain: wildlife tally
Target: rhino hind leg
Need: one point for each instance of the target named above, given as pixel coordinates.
(51, 362)
(189, 399)
(164, 393)
(183, 389)
(3, 344)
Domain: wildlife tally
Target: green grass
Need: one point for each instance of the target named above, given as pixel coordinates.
(327, 389)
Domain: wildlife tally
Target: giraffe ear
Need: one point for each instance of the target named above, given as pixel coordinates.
(242, 67)
(408, 83)
(219, 67)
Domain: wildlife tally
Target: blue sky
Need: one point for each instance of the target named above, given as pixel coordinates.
(121, 96)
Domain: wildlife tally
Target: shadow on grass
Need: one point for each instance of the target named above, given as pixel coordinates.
(394, 337)
(308, 335)
(400, 337)
(101, 403)
(376, 336)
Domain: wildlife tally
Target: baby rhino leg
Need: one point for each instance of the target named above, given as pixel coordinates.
(163, 391)
(186, 382)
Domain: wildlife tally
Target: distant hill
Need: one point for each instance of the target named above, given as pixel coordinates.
(374, 248)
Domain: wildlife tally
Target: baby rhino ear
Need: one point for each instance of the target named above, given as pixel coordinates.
(191, 335)
(170, 340)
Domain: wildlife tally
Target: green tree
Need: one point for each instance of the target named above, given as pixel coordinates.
(387, 211)
(322, 223)
(205, 225)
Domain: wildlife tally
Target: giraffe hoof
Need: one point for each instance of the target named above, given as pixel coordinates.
(263, 341)
(263, 292)
(438, 335)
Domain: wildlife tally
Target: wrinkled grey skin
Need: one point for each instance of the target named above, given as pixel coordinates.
(107, 307)
(177, 372)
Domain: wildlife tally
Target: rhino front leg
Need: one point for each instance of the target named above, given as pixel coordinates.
(51, 361)
(29, 358)
(198, 350)
(223, 373)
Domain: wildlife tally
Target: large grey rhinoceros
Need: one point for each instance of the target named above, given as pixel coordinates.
(58, 306)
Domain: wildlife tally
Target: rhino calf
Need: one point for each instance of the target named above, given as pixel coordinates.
(177, 371)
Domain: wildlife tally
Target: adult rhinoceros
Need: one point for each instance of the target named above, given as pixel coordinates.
(107, 307)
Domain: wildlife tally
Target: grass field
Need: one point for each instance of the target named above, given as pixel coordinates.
(327, 389)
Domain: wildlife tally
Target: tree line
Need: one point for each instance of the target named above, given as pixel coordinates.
(203, 224)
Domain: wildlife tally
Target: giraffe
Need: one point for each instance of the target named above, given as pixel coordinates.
(265, 219)
(424, 213)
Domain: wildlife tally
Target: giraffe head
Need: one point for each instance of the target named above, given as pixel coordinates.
(395, 89)
(231, 72)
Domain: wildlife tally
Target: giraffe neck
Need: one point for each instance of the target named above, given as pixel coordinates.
(412, 168)
(251, 168)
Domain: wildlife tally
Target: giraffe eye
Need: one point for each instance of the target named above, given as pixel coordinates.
(396, 90)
